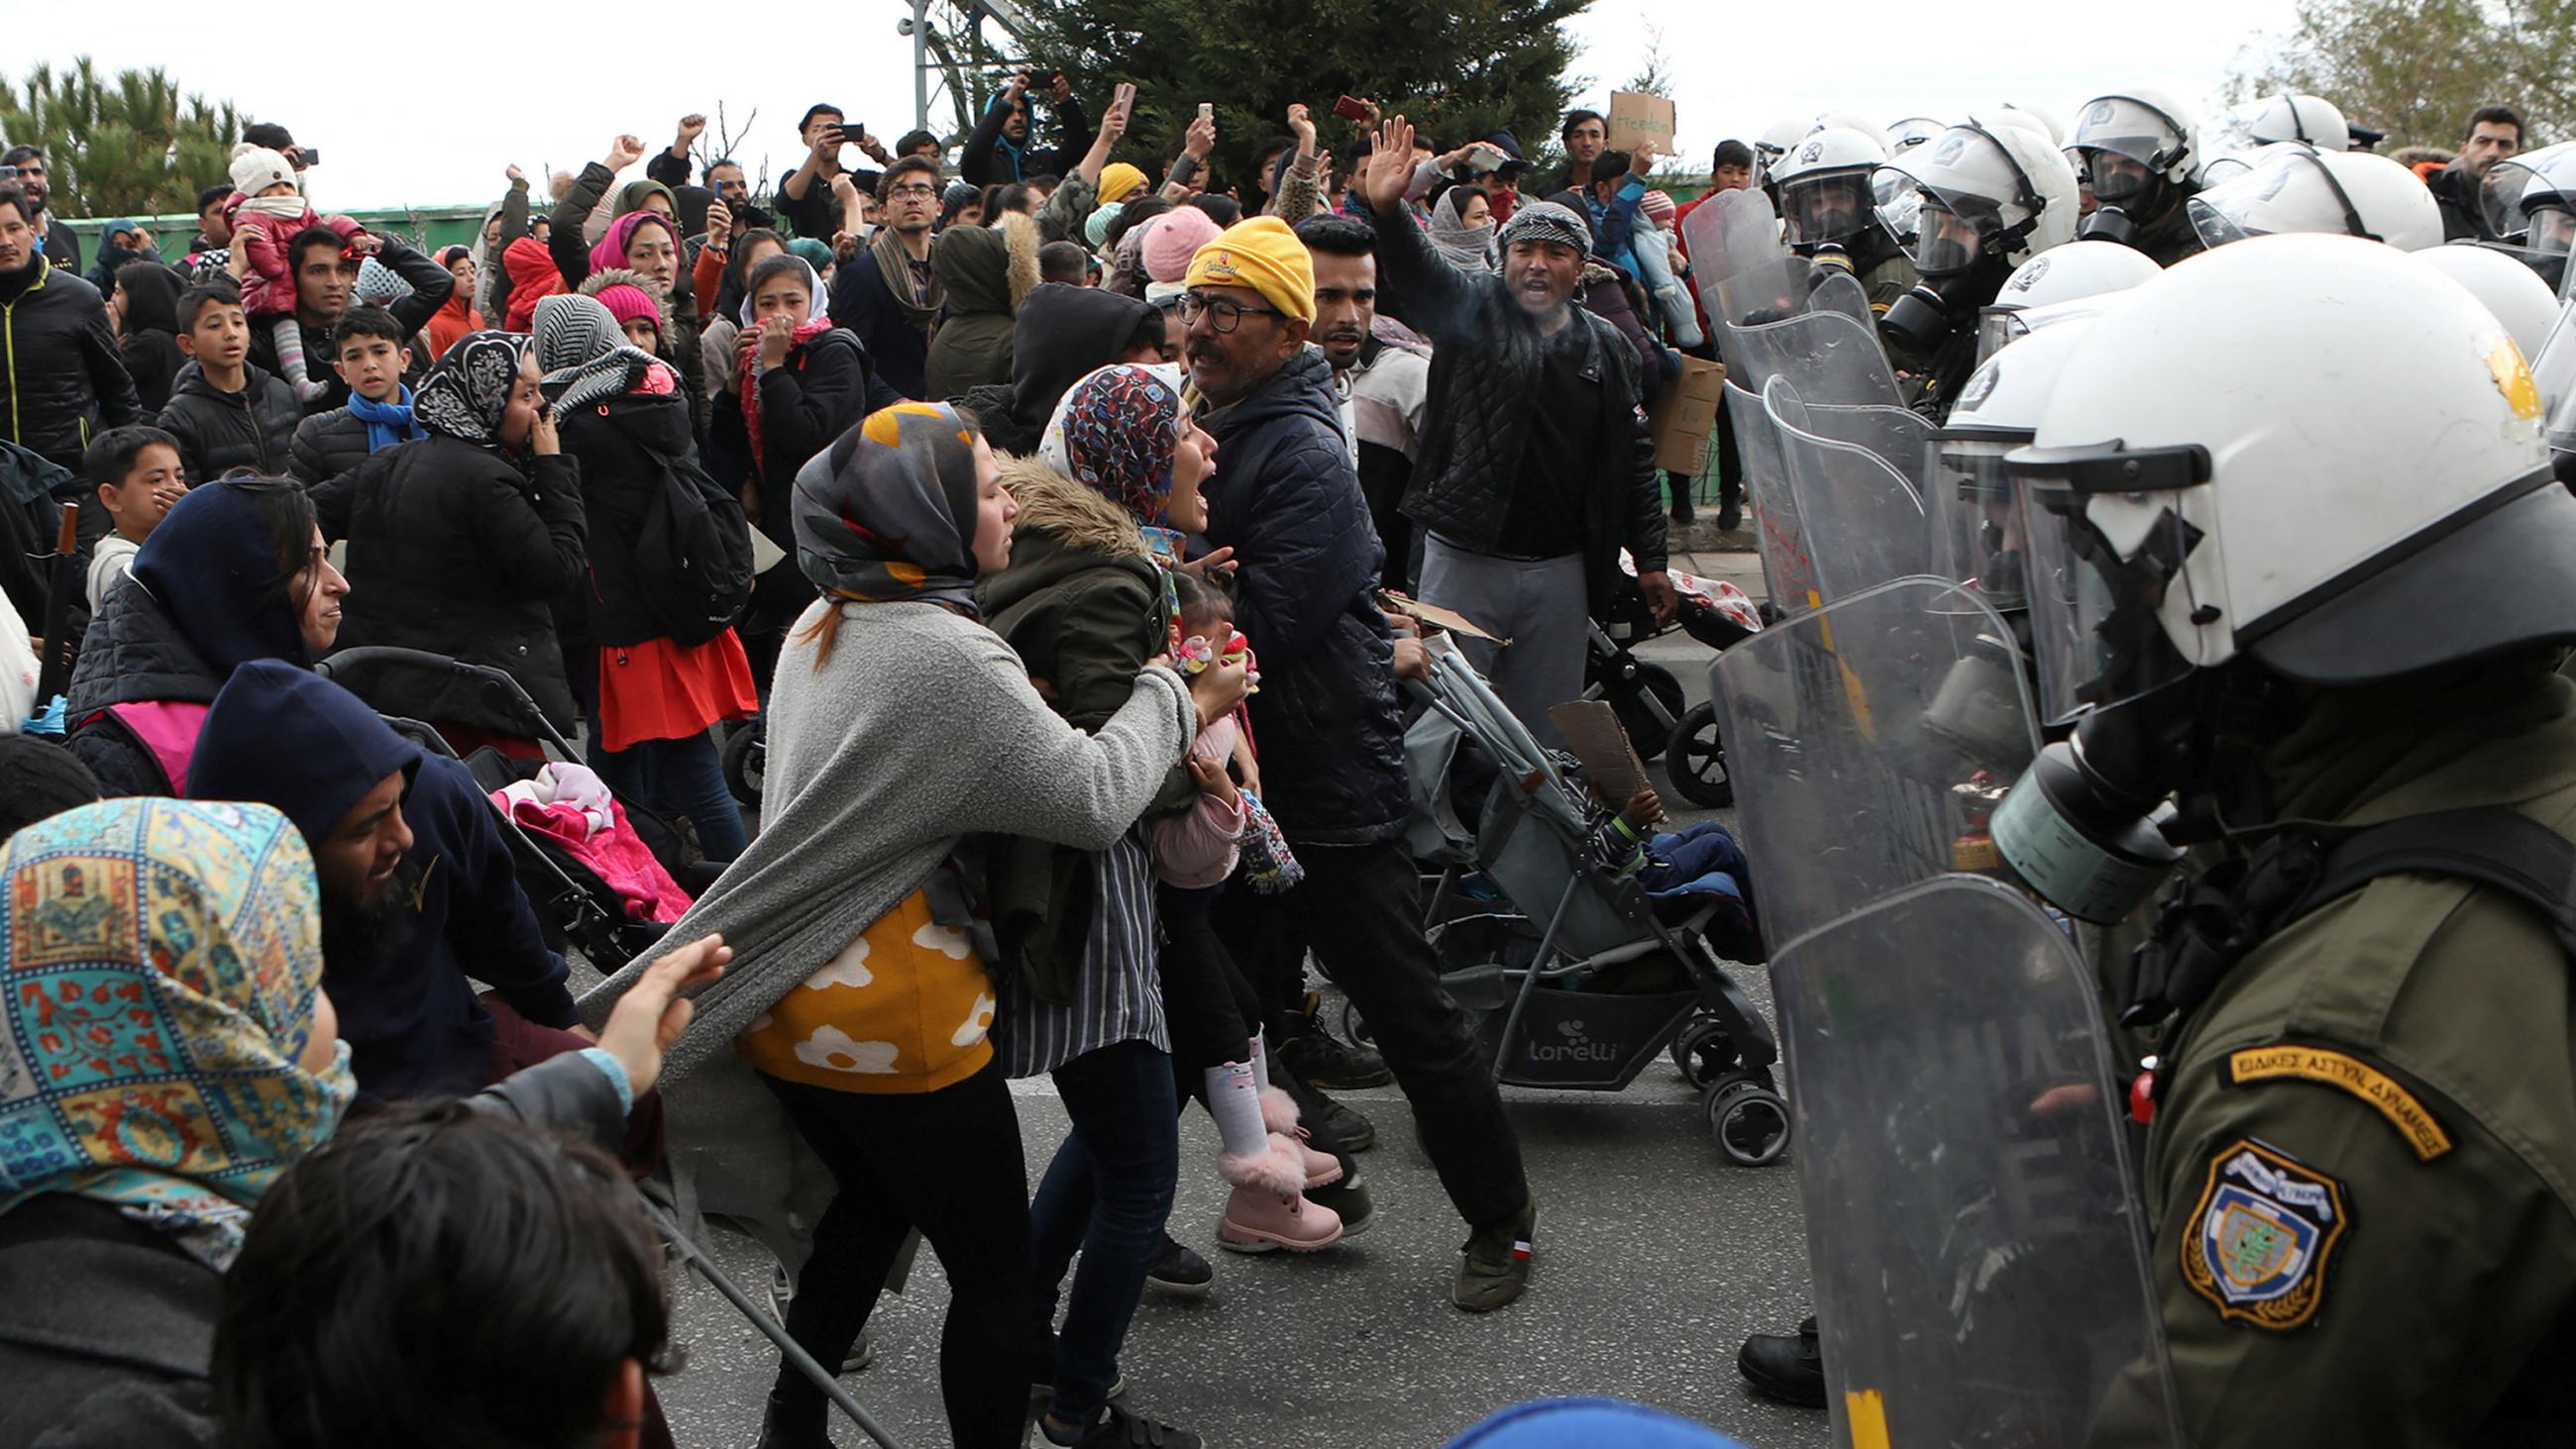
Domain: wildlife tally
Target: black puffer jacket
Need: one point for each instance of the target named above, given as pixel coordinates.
(453, 550)
(134, 653)
(625, 446)
(1287, 500)
(1485, 370)
(220, 431)
(328, 445)
(62, 379)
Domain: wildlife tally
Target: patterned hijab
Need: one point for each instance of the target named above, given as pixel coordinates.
(888, 511)
(163, 958)
(465, 394)
(585, 354)
(1115, 433)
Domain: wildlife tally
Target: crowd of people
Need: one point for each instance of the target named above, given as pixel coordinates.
(1045, 519)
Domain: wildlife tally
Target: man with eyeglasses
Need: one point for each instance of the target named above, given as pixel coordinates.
(26, 166)
(887, 293)
(1286, 499)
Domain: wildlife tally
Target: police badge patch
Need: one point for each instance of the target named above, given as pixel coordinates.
(2266, 1227)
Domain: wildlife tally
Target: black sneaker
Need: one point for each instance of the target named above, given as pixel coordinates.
(1348, 1198)
(1321, 1060)
(1340, 1126)
(1786, 1367)
(1496, 1264)
(1181, 1273)
(1119, 1429)
(1042, 1370)
(1729, 519)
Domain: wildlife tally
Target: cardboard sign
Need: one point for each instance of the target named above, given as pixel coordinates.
(1592, 731)
(1685, 414)
(1635, 118)
(1449, 619)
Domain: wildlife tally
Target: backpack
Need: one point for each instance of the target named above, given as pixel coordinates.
(700, 544)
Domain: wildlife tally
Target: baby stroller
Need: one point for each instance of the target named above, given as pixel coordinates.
(1648, 699)
(574, 904)
(1576, 978)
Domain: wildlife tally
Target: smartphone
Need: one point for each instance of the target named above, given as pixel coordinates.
(1040, 80)
(1207, 112)
(1352, 107)
(307, 156)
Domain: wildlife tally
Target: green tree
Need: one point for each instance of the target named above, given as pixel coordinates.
(2417, 68)
(1458, 68)
(131, 146)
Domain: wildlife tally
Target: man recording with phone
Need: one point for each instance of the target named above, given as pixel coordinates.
(1004, 146)
(805, 198)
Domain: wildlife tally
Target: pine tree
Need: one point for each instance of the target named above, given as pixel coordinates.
(1458, 68)
(131, 146)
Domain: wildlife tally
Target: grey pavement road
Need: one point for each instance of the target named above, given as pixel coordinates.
(1655, 1257)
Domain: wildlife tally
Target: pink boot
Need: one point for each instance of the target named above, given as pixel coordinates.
(1267, 1212)
(1279, 1114)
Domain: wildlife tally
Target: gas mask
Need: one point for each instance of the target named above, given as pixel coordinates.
(1924, 318)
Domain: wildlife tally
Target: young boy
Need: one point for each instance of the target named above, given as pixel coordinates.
(372, 355)
(225, 411)
(139, 476)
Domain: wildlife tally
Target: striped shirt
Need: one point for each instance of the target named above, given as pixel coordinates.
(1118, 994)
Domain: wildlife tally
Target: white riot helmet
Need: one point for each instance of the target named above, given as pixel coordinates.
(1843, 120)
(2035, 118)
(1823, 187)
(2060, 278)
(1991, 197)
(1911, 132)
(2313, 119)
(2195, 503)
(2295, 188)
(2223, 168)
(2531, 199)
(2510, 290)
(2136, 152)
(1979, 538)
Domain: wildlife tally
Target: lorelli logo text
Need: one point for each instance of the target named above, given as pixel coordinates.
(1574, 1047)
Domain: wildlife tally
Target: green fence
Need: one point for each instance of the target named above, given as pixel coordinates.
(425, 227)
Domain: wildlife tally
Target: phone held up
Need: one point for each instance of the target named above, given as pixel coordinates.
(1351, 108)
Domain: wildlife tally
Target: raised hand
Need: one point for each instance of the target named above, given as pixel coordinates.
(1390, 167)
(1301, 124)
(623, 152)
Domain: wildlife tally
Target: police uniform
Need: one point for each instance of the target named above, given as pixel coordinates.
(2362, 1173)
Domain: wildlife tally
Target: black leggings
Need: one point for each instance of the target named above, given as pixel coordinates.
(1208, 1004)
(946, 1162)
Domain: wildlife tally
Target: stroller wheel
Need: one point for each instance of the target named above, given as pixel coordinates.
(1355, 1029)
(1703, 1051)
(1749, 1120)
(746, 759)
(1695, 759)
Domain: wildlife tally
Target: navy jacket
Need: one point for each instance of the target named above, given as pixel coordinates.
(862, 303)
(1287, 500)
(287, 737)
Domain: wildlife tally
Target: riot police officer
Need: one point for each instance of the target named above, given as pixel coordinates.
(2316, 624)
(2137, 153)
(1829, 211)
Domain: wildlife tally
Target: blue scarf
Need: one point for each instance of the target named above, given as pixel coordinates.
(387, 423)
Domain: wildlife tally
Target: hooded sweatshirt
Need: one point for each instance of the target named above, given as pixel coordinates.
(150, 342)
(287, 737)
(533, 278)
(1062, 334)
(976, 264)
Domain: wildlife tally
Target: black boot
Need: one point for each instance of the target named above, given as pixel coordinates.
(1789, 1368)
(797, 1423)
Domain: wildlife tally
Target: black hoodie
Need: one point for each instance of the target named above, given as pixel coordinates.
(1062, 335)
(151, 338)
(626, 446)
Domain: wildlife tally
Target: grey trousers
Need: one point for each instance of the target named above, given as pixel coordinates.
(1537, 605)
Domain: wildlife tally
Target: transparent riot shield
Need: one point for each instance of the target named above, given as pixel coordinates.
(1978, 1247)
(1743, 268)
(1827, 355)
(1913, 684)
(1858, 515)
(1787, 576)
(1893, 435)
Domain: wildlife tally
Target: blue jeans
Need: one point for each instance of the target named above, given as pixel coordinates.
(1108, 1192)
(679, 777)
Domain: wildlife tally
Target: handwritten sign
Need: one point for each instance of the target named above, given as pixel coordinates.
(1636, 118)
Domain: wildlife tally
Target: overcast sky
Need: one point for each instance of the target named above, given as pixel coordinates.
(441, 124)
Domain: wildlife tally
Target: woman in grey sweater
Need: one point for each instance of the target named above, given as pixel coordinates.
(857, 1001)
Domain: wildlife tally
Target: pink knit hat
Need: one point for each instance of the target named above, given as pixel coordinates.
(1173, 238)
(1659, 206)
(627, 303)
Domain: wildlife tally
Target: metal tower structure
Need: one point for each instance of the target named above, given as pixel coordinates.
(953, 54)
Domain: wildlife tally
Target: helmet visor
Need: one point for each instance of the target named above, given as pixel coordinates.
(1967, 174)
(2288, 191)
(1950, 232)
(1978, 538)
(1826, 206)
(2130, 129)
(2100, 569)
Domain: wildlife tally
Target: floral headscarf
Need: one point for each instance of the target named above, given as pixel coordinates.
(163, 958)
(465, 394)
(1115, 433)
(888, 512)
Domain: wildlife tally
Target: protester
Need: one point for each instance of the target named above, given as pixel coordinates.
(64, 380)
(808, 199)
(670, 567)
(530, 270)
(466, 538)
(1061, 335)
(985, 272)
(1386, 384)
(898, 725)
(1002, 146)
(234, 571)
(120, 242)
(114, 1264)
(2494, 134)
(226, 412)
(325, 270)
(1524, 527)
(371, 355)
(146, 307)
(415, 880)
(1291, 508)
(889, 295)
(27, 168)
(456, 316)
(138, 475)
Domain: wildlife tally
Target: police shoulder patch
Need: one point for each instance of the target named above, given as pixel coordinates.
(2263, 1236)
